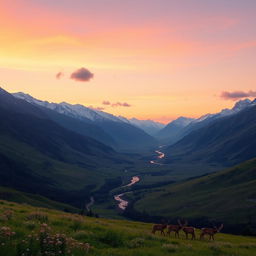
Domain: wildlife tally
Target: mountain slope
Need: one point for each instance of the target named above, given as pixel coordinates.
(228, 196)
(38, 155)
(179, 128)
(149, 126)
(85, 128)
(118, 131)
(228, 141)
(172, 132)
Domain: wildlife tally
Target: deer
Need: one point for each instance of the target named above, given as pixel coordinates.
(175, 229)
(210, 231)
(159, 227)
(189, 230)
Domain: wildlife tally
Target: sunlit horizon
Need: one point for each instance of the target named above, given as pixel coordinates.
(146, 59)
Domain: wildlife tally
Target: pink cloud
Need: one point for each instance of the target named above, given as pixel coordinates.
(119, 104)
(59, 75)
(237, 95)
(82, 75)
(106, 102)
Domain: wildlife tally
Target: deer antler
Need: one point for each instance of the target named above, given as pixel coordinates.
(220, 227)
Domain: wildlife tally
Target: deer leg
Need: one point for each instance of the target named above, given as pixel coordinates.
(178, 234)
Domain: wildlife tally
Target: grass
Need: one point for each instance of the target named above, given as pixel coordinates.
(27, 231)
(227, 196)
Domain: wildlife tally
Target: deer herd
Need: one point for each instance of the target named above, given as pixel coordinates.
(186, 229)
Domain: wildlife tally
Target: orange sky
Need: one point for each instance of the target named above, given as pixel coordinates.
(164, 58)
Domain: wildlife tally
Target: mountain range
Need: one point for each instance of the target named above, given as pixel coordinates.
(117, 132)
(37, 155)
(179, 128)
(226, 140)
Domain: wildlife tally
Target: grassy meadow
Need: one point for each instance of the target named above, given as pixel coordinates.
(30, 231)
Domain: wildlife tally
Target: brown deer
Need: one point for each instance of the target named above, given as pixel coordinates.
(189, 230)
(159, 227)
(174, 228)
(210, 231)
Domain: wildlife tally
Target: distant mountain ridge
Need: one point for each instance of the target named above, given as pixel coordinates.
(179, 128)
(121, 133)
(149, 126)
(228, 140)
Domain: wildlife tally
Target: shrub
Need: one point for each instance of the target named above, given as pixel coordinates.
(38, 216)
(170, 247)
(112, 238)
(30, 225)
(136, 242)
(82, 235)
(8, 214)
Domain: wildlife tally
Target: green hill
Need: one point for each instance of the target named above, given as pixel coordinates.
(33, 199)
(25, 230)
(227, 196)
(39, 156)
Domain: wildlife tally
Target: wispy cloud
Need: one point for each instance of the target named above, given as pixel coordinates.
(59, 75)
(82, 75)
(120, 104)
(106, 102)
(235, 95)
(116, 104)
(96, 108)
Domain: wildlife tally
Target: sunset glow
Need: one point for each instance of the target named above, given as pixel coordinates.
(150, 59)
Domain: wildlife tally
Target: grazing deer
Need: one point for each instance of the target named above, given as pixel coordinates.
(159, 227)
(210, 231)
(174, 228)
(189, 230)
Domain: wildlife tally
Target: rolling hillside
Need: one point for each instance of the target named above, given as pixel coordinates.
(39, 231)
(227, 196)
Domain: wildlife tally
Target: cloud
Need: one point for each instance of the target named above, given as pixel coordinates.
(116, 104)
(119, 104)
(82, 75)
(106, 102)
(96, 108)
(237, 95)
(59, 75)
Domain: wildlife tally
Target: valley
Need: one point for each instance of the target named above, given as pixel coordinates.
(62, 161)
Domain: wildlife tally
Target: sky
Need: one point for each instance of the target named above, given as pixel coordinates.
(149, 59)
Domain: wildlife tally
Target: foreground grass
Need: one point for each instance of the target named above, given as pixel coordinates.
(29, 231)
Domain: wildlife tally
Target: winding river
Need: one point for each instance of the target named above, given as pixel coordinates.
(122, 204)
(161, 155)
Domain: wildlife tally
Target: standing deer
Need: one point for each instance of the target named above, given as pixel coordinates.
(174, 228)
(210, 231)
(189, 230)
(159, 227)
